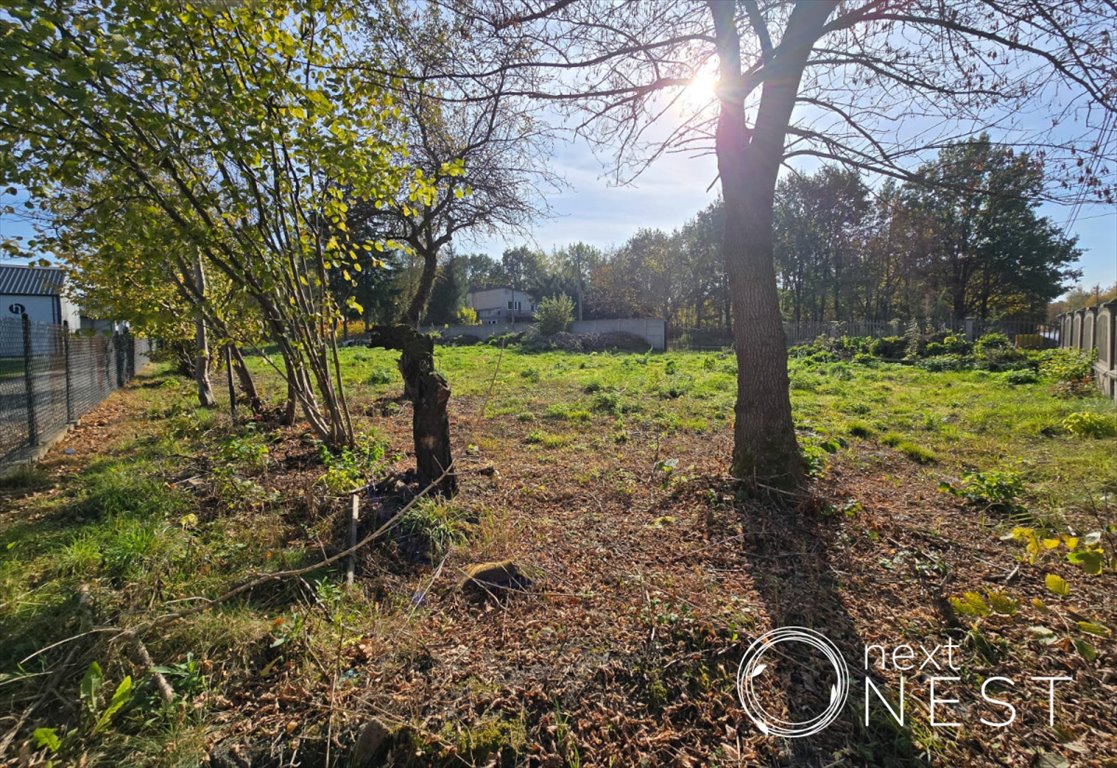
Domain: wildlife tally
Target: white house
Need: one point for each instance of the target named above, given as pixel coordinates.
(37, 292)
(502, 305)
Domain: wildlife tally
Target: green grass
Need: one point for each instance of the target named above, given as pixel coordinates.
(128, 531)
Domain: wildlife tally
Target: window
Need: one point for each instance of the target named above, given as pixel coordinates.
(510, 305)
(517, 305)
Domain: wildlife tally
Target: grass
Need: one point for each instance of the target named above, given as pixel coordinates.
(174, 503)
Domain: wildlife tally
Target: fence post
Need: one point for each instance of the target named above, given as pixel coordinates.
(28, 383)
(971, 329)
(69, 374)
(118, 354)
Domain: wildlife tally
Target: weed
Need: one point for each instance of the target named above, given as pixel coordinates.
(859, 429)
(431, 527)
(917, 452)
(1086, 424)
(381, 376)
(996, 490)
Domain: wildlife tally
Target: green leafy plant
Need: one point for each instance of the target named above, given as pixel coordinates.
(1088, 424)
(555, 314)
(995, 490)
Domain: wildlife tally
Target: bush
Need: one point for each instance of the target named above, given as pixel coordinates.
(555, 314)
(1086, 424)
(952, 344)
(1066, 364)
(991, 343)
(467, 316)
(889, 347)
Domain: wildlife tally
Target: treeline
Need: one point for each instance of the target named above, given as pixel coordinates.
(968, 241)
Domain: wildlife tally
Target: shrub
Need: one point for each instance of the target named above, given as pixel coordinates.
(889, 347)
(1087, 424)
(380, 377)
(952, 344)
(1066, 364)
(555, 314)
(466, 316)
(991, 343)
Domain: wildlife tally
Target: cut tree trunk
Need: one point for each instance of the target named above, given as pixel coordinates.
(429, 394)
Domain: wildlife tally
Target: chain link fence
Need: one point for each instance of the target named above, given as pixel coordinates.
(49, 378)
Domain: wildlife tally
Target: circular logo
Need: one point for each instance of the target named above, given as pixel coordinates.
(752, 666)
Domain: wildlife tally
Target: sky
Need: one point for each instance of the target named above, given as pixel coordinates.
(596, 211)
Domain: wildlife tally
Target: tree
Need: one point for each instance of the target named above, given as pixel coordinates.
(989, 250)
(238, 127)
(555, 314)
(819, 229)
(818, 78)
(484, 155)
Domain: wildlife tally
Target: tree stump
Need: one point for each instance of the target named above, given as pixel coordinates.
(429, 394)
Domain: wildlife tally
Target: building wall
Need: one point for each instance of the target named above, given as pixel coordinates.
(39, 309)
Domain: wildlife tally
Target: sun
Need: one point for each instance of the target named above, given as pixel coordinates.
(700, 92)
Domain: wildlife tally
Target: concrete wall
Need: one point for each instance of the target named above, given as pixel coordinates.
(1095, 329)
(652, 330)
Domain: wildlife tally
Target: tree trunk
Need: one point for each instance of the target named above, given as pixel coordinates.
(765, 452)
(290, 405)
(247, 385)
(422, 295)
(201, 344)
(429, 394)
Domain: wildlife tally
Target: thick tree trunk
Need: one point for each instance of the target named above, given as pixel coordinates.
(201, 344)
(429, 394)
(765, 452)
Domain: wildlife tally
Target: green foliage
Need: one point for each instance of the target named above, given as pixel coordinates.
(1065, 364)
(350, 468)
(1017, 378)
(997, 489)
(889, 347)
(1089, 424)
(554, 314)
(382, 376)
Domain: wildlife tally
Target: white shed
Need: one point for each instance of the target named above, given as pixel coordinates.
(38, 292)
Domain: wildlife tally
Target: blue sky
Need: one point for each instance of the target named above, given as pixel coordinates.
(674, 189)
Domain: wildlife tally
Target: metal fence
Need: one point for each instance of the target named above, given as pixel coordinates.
(49, 378)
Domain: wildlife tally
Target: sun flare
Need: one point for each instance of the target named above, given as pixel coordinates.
(701, 91)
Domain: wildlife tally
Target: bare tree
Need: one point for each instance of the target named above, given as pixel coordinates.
(874, 84)
(480, 147)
